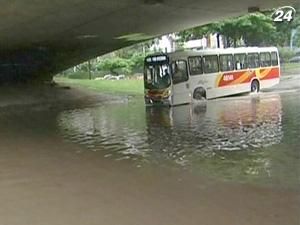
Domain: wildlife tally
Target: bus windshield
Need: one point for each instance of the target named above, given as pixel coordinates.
(157, 76)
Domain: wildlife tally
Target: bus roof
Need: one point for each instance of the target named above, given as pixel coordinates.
(187, 53)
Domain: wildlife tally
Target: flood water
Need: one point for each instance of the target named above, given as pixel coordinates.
(227, 161)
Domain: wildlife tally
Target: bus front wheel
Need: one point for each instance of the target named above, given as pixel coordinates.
(199, 94)
(255, 86)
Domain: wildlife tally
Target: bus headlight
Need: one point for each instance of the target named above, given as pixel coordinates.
(167, 93)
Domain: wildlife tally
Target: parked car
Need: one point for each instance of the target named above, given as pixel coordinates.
(295, 59)
(121, 77)
(108, 77)
(113, 77)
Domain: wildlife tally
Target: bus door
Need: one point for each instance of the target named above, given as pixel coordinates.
(180, 79)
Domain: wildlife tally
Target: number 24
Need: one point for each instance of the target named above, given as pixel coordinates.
(280, 15)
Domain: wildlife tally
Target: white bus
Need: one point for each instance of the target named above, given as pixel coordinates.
(187, 76)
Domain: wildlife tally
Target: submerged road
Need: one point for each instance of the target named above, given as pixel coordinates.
(78, 158)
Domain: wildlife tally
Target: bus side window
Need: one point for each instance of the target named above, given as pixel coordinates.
(179, 71)
(274, 58)
(149, 74)
(211, 64)
(240, 61)
(226, 62)
(265, 59)
(253, 60)
(195, 64)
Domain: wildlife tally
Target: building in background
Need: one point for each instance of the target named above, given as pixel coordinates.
(169, 43)
(166, 43)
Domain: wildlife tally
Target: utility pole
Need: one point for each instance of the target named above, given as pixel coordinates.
(218, 40)
(293, 32)
(89, 68)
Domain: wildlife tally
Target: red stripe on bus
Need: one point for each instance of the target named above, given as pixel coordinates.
(246, 76)
(233, 78)
(273, 73)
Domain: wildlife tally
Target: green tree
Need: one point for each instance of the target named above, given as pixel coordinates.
(257, 29)
(254, 29)
(137, 60)
(115, 65)
(125, 60)
(197, 32)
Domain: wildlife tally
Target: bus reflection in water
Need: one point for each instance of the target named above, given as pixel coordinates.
(242, 123)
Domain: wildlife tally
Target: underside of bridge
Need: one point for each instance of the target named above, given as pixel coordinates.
(40, 38)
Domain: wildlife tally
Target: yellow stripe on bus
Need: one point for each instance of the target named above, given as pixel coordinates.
(241, 79)
(264, 73)
(219, 79)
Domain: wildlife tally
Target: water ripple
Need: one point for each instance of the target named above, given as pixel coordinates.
(176, 134)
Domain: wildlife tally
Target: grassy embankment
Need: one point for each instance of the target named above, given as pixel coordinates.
(290, 69)
(117, 87)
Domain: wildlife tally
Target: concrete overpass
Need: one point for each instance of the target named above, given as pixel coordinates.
(40, 38)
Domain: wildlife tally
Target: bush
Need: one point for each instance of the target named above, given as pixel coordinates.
(79, 75)
(115, 65)
(285, 54)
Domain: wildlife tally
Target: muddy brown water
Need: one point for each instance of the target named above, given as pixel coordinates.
(227, 161)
